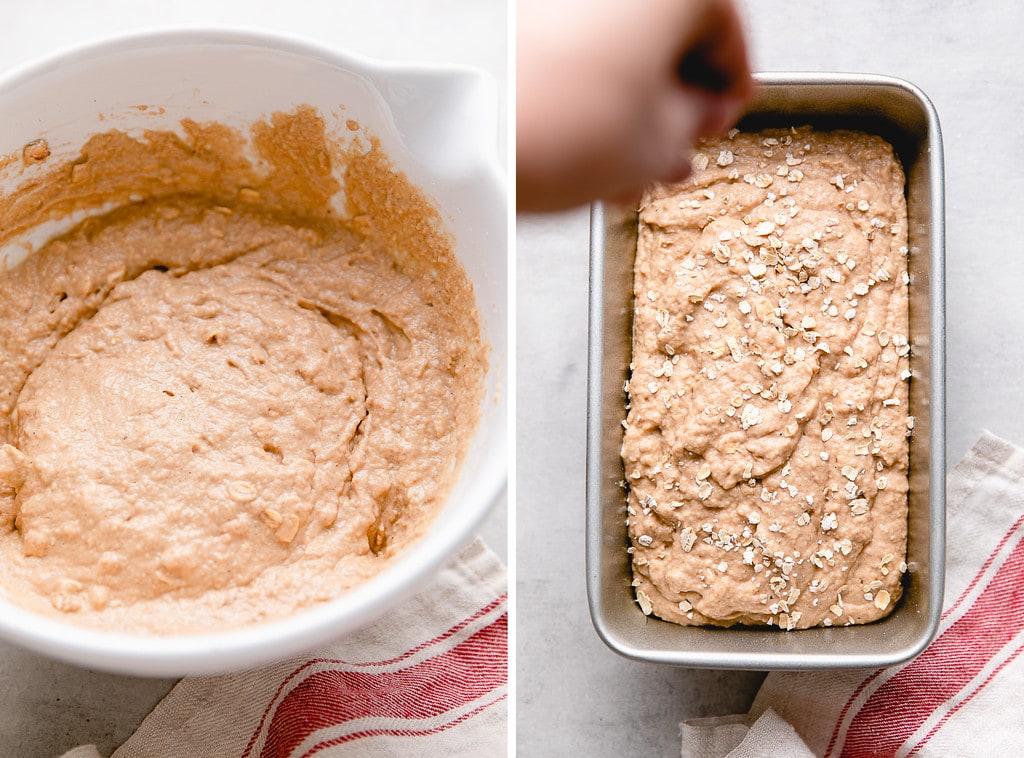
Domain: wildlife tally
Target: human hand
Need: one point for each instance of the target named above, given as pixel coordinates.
(612, 94)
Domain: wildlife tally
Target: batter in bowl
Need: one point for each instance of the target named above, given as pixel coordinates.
(224, 401)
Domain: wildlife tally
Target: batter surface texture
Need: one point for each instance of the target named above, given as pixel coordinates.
(765, 448)
(223, 407)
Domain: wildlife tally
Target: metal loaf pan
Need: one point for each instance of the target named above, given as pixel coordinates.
(900, 113)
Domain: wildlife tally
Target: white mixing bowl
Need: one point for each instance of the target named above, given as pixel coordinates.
(437, 124)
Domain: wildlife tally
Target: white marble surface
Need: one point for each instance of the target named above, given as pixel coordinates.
(575, 696)
(47, 707)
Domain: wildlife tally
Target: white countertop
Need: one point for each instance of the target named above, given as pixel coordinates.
(47, 707)
(576, 697)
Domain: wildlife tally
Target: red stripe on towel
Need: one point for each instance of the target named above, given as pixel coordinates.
(497, 602)
(841, 721)
(952, 711)
(903, 703)
(398, 732)
(429, 689)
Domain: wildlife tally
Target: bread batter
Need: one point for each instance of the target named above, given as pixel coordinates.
(221, 403)
(765, 445)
